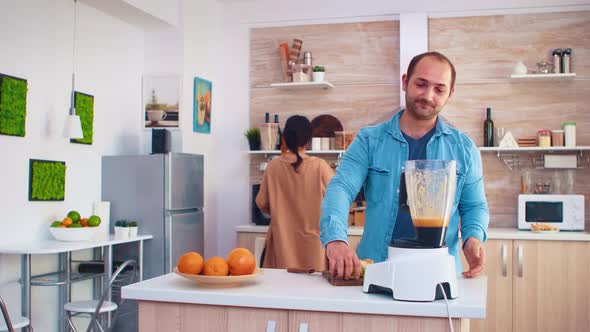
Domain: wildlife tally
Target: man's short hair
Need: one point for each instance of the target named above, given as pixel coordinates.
(439, 57)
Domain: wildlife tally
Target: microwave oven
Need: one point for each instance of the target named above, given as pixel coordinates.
(566, 212)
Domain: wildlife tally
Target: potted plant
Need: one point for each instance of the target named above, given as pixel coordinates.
(318, 73)
(121, 230)
(132, 229)
(253, 136)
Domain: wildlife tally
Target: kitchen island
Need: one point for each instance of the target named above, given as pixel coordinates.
(281, 301)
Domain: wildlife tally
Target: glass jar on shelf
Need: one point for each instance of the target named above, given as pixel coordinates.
(544, 138)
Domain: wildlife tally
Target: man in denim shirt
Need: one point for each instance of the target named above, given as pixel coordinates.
(376, 159)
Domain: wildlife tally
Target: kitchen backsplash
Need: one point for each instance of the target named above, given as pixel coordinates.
(362, 61)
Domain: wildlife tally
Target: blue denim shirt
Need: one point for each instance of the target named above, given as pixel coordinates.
(376, 159)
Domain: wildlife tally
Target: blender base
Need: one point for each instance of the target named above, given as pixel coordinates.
(413, 274)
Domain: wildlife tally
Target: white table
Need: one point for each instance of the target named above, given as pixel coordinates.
(64, 277)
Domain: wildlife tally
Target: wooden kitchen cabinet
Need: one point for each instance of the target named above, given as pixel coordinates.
(498, 269)
(314, 321)
(174, 317)
(550, 286)
(545, 287)
(240, 319)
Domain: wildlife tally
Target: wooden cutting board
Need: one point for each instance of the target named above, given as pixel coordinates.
(342, 282)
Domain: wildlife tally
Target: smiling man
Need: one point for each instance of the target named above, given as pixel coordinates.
(376, 160)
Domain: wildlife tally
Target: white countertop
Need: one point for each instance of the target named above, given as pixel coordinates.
(493, 233)
(55, 247)
(281, 290)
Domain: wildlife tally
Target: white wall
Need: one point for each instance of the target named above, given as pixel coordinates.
(36, 39)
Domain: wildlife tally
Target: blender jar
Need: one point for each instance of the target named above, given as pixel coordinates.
(431, 186)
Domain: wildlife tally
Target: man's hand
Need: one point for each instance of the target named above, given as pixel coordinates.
(342, 260)
(474, 254)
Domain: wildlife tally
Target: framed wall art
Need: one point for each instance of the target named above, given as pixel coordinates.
(13, 105)
(161, 99)
(202, 90)
(85, 110)
(47, 180)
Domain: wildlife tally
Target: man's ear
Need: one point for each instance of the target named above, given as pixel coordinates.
(451, 94)
(404, 82)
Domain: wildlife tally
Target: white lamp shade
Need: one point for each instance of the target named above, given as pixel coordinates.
(73, 127)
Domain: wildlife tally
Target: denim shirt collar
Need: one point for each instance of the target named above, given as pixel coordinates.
(393, 127)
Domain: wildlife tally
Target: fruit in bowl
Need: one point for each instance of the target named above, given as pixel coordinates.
(74, 228)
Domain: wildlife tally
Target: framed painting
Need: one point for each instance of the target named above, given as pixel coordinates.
(47, 180)
(202, 90)
(161, 98)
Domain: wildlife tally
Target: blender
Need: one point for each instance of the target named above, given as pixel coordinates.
(421, 268)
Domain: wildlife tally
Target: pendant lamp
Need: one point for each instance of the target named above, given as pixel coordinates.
(73, 126)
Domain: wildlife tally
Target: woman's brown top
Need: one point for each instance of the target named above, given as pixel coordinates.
(293, 199)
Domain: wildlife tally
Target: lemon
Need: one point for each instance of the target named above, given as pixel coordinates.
(94, 221)
(75, 216)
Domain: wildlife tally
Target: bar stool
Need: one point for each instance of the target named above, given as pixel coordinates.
(8, 325)
(95, 308)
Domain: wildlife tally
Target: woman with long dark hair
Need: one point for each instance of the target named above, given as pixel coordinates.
(292, 190)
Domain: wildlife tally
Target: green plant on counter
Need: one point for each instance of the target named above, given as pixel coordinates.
(85, 109)
(121, 223)
(47, 180)
(132, 224)
(253, 136)
(318, 69)
(13, 105)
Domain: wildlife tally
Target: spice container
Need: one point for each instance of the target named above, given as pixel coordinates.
(557, 60)
(569, 129)
(544, 138)
(557, 137)
(566, 61)
(342, 139)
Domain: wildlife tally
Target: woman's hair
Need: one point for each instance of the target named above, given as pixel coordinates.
(297, 133)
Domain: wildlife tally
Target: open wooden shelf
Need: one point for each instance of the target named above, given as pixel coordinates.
(303, 85)
(535, 77)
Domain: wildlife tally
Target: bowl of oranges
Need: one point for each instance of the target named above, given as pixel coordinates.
(74, 228)
(238, 267)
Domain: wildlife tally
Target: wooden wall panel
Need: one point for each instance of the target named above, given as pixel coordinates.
(355, 106)
(489, 46)
(484, 50)
(364, 52)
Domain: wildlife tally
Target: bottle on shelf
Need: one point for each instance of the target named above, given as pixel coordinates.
(278, 145)
(488, 129)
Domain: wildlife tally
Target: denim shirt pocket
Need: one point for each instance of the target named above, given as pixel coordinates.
(376, 185)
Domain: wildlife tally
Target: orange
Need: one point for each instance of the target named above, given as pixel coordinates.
(190, 262)
(216, 266)
(241, 262)
(67, 221)
(84, 222)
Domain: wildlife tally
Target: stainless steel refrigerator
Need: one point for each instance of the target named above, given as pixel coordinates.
(164, 193)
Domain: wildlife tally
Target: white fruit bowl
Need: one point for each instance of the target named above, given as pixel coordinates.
(73, 234)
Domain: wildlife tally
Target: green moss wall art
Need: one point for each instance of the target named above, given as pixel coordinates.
(47, 180)
(13, 105)
(85, 109)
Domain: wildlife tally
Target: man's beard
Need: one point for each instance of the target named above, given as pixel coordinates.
(411, 106)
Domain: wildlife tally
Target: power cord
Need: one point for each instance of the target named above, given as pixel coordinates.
(448, 310)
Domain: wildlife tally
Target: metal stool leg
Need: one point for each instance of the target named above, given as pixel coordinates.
(70, 323)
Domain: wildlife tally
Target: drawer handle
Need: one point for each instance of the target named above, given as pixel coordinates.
(504, 260)
(520, 261)
(302, 327)
(270, 326)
